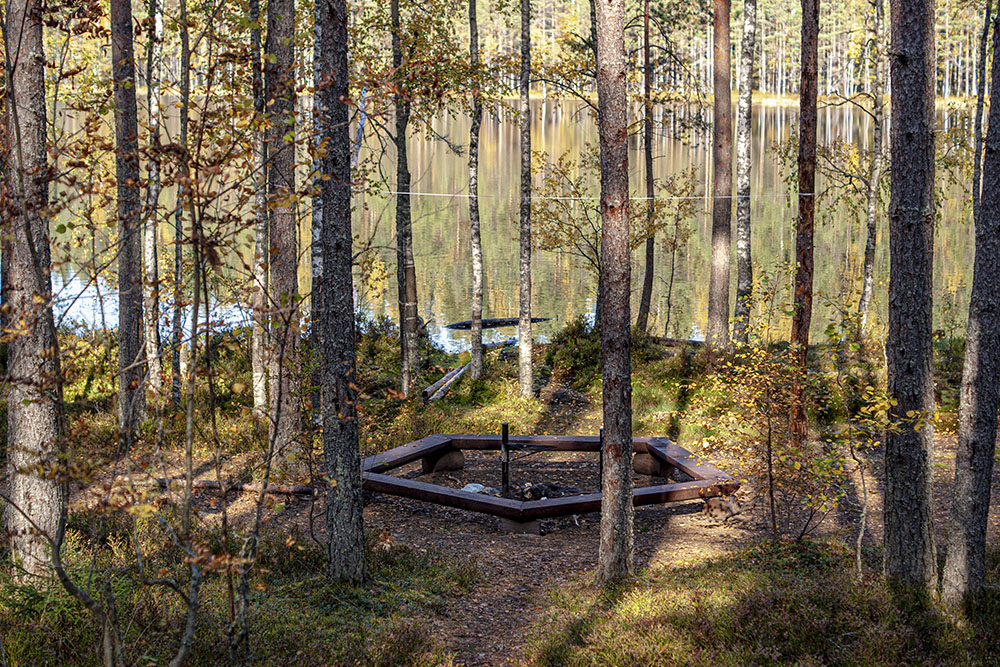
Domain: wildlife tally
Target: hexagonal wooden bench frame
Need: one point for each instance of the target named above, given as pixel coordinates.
(707, 481)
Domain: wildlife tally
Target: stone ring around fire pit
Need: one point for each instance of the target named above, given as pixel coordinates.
(653, 456)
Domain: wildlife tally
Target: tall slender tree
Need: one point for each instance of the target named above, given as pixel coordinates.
(615, 557)
(722, 182)
(36, 501)
(744, 132)
(284, 378)
(876, 168)
(984, 39)
(177, 325)
(802, 298)
(131, 381)
(259, 329)
(965, 561)
(150, 258)
(345, 528)
(476, 369)
(802, 315)
(910, 557)
(406, 272)
(524, 369)
(642, 319)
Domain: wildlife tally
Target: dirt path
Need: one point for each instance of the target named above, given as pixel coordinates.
(489, 626)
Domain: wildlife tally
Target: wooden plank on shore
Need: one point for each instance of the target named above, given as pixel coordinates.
(475, 502)
(492, 323)
(404, 454)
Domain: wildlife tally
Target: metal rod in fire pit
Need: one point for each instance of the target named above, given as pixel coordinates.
(504, 462)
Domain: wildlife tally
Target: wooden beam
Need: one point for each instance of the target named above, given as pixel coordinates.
(573, 443)
(405, 454)
(684, 460)
(476, 502)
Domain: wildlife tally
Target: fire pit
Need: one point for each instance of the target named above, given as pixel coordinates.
(654, 456)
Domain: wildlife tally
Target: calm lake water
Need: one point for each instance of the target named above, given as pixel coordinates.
(562, 286)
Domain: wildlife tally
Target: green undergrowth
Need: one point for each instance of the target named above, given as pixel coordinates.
(774, 603)
(296, 615)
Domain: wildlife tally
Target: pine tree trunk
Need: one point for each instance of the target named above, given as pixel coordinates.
(909, 505)
(615, 557)
(965, 562)
(717, 335)
(524, 369)
(744, 132)
(406, 272)
(642, 319)
(803, 295)
(284, 377)
(802, 304)
(476, 369)
(33, 371)
(876, 170)
(259, 323)
(345, 527)
(151, 284)
(131, 374)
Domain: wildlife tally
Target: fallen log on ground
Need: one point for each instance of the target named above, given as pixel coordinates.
(509, 342)
(674, 342)
(235, 487)
(492, 323)
(429, 391)
(447, 385)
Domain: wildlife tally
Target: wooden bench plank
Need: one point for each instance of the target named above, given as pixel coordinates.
(476, 502)
(684, 460)
(404, 454)
(576, 443)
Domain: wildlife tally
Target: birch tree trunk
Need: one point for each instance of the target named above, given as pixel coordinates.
(178, 353)
(615, 557)
(910, 557)
(965, 562)
(744, 132)
(131, 375)
(525, 347)
(476, 369)
(876, 171)
(717, 335)
(345, 527)
(36, 503)
(406, 272)
(284, 377)
(259, 325)
(151, 284)
(642, 319)
(984, 39)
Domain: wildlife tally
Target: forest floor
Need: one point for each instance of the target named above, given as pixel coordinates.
(498, 622)
(449, 587)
